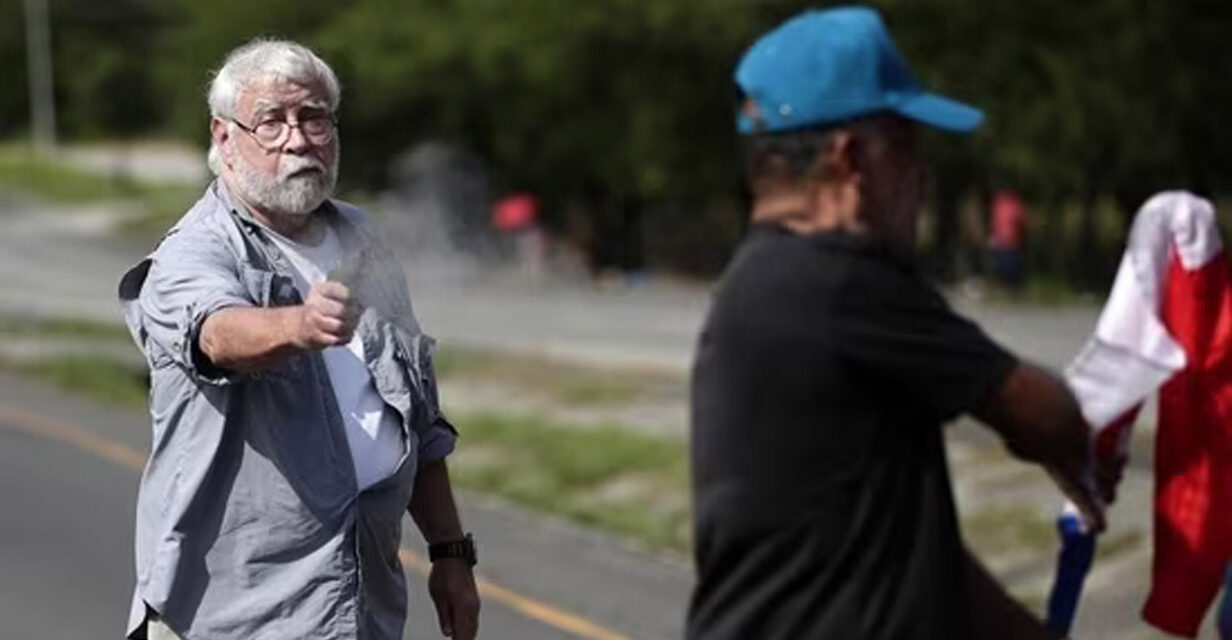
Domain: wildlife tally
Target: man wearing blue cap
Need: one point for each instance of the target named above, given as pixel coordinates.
(827, 365)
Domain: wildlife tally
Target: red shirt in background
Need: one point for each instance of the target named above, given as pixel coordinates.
(1009, 221)
(515, 212)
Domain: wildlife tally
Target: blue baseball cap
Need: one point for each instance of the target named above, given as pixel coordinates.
(827, 66)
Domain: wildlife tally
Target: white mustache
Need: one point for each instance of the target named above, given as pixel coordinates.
(294, 164)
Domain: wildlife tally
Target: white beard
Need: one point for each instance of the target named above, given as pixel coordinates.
(285, 194)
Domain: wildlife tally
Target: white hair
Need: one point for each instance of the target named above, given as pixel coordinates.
(259, 61)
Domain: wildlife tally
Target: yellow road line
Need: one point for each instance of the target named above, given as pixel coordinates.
(18, 419)
(33, 424)
(528, 607)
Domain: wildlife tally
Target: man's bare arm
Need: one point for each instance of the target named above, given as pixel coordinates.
(450, 583)
(1040, 421)
(432, 506)
(1037, 416)
(246, 339)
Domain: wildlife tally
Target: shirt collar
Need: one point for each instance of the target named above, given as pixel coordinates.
(843, 240)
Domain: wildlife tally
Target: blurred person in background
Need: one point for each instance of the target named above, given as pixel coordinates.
(827, 365)
(1007, 233)
(295, 416)
(516, 218)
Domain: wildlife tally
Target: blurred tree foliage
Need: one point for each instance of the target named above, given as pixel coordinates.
(620, 110)
(102, 52)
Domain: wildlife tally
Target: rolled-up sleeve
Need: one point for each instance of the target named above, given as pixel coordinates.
(191, 276)
(438, 442)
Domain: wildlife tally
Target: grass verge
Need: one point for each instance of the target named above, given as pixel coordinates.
(612, 478)
(566, 384)
(102, 379)
(49, 179)
(59, 327)
(152, 207)
(1001, 527)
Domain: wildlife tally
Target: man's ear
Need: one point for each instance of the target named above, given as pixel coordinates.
(840, 159)
(220, 133)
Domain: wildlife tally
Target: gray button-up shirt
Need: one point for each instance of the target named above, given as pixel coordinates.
(249, 521)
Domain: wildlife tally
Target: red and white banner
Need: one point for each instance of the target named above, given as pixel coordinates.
(1167, 326)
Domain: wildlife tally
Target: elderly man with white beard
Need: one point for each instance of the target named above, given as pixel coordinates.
(293, 401)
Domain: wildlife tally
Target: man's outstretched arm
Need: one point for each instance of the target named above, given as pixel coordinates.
(246, 339)
(1040, 421)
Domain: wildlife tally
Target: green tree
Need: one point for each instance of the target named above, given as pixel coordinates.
(622, 109)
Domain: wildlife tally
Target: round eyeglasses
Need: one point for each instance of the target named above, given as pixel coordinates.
(272, 134)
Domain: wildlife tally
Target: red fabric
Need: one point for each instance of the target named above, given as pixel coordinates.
(1009, 221)
(515, 212)
(1193, 450)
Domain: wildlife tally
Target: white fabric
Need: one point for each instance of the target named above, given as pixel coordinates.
(1131, 354)
(372, 429)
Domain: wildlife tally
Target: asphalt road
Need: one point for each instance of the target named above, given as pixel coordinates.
(69, 472)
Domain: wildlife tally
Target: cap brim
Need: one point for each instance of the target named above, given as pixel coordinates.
(941, 112)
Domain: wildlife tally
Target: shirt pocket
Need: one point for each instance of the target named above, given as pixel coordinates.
(269, 288)
(258, 284)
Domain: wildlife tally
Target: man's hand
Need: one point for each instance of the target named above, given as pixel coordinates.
(1108, 474)
(1079, 485)
(327, 318)
(452, 587)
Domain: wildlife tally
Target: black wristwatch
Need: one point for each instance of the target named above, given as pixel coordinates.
(464, 549)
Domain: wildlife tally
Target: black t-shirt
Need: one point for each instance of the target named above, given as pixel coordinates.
(822, 497)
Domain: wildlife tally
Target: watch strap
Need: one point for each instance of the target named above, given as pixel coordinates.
(463, 548)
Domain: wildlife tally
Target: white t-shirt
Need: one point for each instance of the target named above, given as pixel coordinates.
(372, 428)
